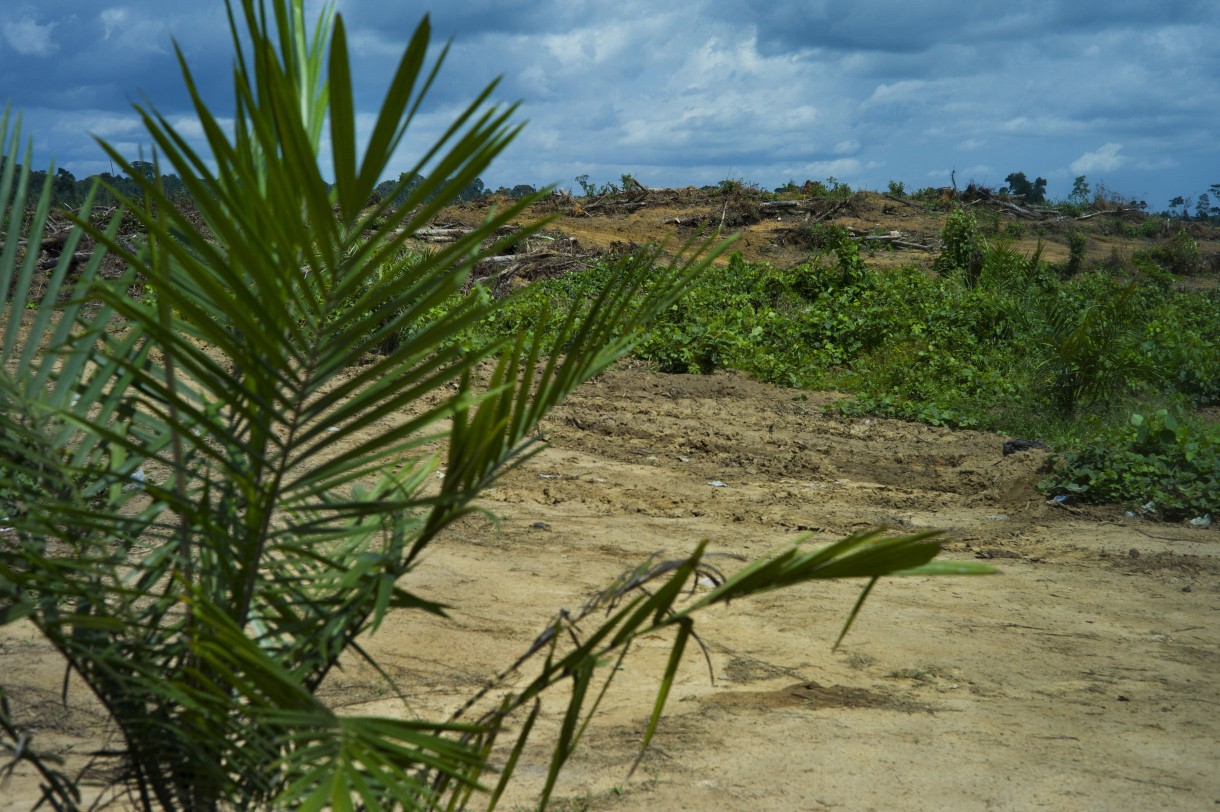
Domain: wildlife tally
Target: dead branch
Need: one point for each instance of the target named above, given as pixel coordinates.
(895, 240)
(829, 211)
(639, 186)
(499, 260)
(1011, 207)
(628, 205)
(1118, 212)
(56, 240)
(79, 258)
(440, 234)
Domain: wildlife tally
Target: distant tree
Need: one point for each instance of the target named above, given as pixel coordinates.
(391, 188)
(1081, 193)
(1203, 207)
(64, 189)
(1184, 202)
(789, 188)
(175, 189)
(1020, 186)
(37, 179)
(143, 168)
(473, 190)
(521, 190)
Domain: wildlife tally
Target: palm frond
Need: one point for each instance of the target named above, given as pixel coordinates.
(211, 492)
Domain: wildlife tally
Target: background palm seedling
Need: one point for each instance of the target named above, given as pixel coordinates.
(211, 493)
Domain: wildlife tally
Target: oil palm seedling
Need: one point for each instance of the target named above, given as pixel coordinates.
(212, 492)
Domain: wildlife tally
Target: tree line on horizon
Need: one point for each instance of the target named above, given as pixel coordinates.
(69, 192)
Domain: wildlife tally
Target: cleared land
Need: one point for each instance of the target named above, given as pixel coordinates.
(1083, 676)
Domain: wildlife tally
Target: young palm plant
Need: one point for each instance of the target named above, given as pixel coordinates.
(212, 493)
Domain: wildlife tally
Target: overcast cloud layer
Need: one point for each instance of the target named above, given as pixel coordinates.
(1126, 92)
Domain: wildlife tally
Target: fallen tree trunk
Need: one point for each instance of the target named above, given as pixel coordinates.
(440, 234)
(895, 240)
(1119, 212)
(79, 258)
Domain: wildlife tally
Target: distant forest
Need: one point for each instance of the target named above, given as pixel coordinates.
(68, 192)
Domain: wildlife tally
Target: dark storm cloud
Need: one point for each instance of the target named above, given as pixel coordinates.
(694, 92)
(900, 26)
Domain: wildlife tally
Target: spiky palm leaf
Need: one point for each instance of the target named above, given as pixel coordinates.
(215, 490)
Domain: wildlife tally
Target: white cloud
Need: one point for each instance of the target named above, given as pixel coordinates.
(901, 92)
(841, 168)
(1043, 125)
(28, 38)
(99, 123)
(848, 147)
(1104, 159)
(1157, 164)
(112, 19)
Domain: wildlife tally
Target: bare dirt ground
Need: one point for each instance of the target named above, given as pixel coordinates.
(1084, 676)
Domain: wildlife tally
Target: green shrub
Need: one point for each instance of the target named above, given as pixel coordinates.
(1154, 228)
(961, 251)
(821, 236)
(1077, 245)
(1023, 350)
(1155, 464)
(1090, 351)
(1178, 254)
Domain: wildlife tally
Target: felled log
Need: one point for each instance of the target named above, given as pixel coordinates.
(440, 234)
(896, 240)
(79, 258)
(829, 211)
(505, 258)
(1014, 208)
(1118, 212)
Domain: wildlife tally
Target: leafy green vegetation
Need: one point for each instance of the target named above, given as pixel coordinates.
(1156, 464)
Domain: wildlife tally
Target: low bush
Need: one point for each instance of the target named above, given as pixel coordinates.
(1156, 464)
(1177, 254)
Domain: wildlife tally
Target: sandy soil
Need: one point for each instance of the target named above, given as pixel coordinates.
(1085, 675)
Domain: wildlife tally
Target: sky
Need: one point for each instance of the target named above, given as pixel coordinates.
(1124, 92)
